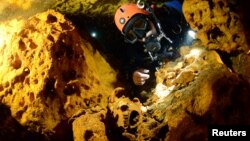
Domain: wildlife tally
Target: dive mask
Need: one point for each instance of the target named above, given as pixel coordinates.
(136, 29)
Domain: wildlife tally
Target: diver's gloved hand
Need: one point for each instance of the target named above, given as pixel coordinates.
(140, 76)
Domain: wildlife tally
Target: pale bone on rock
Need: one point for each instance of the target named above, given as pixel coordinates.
(200, 58)
(186, 68)
(128, 112)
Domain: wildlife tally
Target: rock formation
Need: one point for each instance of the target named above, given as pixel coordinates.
(217, 24)
(197, 91)
(200, 89)
(48, 73)
(89, 125)
(88, 8)
(53, 83)
(192, 93)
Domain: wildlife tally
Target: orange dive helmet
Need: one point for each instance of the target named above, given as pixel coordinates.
(125, 13)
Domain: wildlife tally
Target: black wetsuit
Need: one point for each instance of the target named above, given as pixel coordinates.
(171, 20)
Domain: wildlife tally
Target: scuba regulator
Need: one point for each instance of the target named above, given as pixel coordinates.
(153, 43)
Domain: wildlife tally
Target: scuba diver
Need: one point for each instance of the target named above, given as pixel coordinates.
(154, 35)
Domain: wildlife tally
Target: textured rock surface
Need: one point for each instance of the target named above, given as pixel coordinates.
(90, 125)
(241, 65)
(193, 92)
(208, 93)
(129, 121)
(91, 8)
(52, 80)
(23, 8)
(48, 73)
(217, 24)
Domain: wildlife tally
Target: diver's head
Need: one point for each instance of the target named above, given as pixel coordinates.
(134, 23)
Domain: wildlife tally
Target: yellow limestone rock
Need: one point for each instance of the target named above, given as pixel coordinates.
(217, 25)
(89, 126)
(48, 73)
(195, 91)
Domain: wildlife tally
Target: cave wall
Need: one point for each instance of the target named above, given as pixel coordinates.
(218, 24)
(54, 82)
(49, 73)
